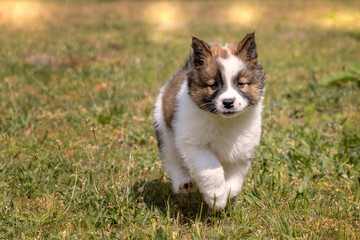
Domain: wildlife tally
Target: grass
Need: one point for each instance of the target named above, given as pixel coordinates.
(78, 152)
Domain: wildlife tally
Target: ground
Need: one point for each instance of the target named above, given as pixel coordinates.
(78, 154)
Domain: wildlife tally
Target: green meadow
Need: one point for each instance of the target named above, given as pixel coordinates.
(78, 153)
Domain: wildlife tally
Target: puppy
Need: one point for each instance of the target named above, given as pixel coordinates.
(208, 119)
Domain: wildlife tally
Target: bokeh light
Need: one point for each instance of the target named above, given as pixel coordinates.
(340, 19)
(242, 14)
(166, 15)
(20, 13)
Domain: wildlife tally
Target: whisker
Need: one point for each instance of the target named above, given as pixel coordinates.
(208, 106)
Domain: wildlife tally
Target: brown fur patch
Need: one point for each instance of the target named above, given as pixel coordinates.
(218, 51)
(254, 80)
(233, 48)
(200, 81)
(169, 97)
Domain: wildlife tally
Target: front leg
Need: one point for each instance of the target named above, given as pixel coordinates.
(234, 177)
(209, 174)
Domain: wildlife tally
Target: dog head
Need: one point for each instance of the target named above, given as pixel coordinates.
(226, 80)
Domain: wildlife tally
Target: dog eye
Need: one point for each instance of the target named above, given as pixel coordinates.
(241, 84)
(214, 86)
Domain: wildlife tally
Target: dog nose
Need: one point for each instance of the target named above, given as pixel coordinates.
(228, 102)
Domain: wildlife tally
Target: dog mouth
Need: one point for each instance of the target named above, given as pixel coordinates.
(228, 113)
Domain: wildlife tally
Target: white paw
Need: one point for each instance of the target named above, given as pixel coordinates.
(232, 191)
(220, 198)
(185, 186)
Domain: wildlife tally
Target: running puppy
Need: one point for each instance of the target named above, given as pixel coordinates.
(208, 119)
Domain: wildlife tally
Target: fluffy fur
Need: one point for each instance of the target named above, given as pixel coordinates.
(208, 119)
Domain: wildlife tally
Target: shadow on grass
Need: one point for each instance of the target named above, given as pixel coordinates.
(158, 194)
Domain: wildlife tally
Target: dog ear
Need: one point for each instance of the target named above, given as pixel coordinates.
(246, 49)
(202, 51)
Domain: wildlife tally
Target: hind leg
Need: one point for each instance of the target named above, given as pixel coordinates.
(173, 164)
(182, 182)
